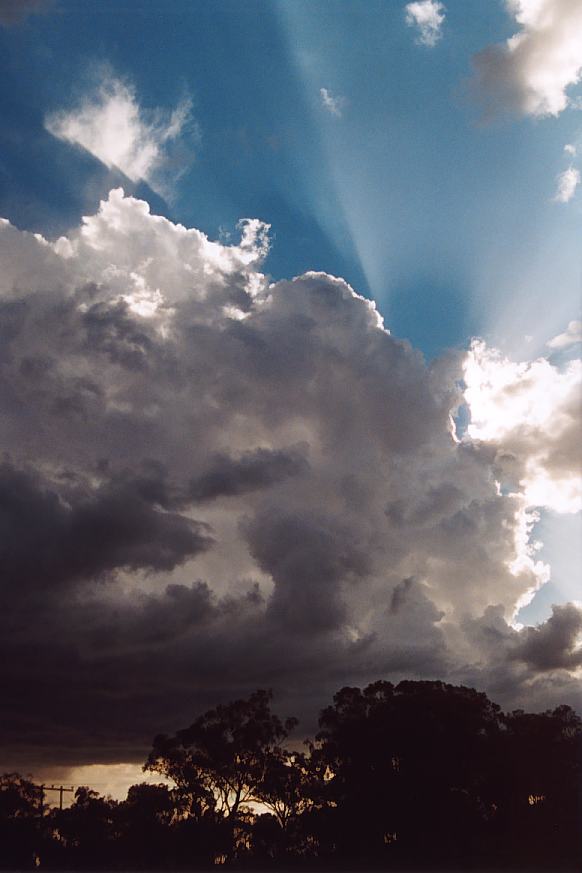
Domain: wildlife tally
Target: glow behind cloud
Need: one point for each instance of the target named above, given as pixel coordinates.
(531, 411)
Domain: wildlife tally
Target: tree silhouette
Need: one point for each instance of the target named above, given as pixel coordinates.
(19, 798)
(407, 765)
(88, 828)
(537, 778)
(144, 822)
(421, 775)
(220, 761)
(20, 809)
(287, 785)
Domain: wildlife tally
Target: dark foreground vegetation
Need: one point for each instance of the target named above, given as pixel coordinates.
(418, 776)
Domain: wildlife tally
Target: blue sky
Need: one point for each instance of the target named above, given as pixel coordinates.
(446, 218)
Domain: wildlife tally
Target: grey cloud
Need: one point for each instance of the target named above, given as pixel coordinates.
(495, 83)
(554, 644)
(308, 558)
(50, 538)
(252, 471)
(400, 594)
(110, 673)
(252, 468)
(110, 331)
(530, 666)
(530, 72)
(13, 11)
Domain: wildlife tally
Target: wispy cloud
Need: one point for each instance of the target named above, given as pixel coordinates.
(572, 334)
(335, 104)
(110, 124)
(570, 149)
(530, 72)
(428, 17)
(567, 181)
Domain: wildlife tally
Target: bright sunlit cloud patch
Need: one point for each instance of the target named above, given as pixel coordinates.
(531, 72)
(427, 16)
(531, 412)
(111, 125)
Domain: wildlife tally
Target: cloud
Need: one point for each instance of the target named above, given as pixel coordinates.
(229, 477)
(531, 72)
(530, 412)
(214, 483)
(567, 181)
(570, 149)
(13, 11)
(333, 104)
(557, 643)
(60, 531)
(428, 17)
(572, 334)
(533, 656)
(111, 126)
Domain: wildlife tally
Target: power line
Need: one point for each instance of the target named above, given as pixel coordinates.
(44, 788)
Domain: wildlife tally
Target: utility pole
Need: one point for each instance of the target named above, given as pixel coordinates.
(44, 788)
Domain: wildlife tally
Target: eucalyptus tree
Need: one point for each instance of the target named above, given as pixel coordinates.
(221, 761)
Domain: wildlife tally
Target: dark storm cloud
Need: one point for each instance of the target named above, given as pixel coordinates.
(111, 331)
(110, 673)
(49, 539)
(554, 644)
(252, 471)
(307, 557)
(400, 594)
(214, 483)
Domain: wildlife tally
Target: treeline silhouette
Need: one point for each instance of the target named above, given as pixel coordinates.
(422, 775)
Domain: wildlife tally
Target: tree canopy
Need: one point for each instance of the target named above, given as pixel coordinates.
(221, 760)
(423, 775)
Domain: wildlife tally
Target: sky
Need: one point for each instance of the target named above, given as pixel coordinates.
(290, 379)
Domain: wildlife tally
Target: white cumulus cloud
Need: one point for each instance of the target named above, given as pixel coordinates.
(110, 124)
(427, 16)
(531, 72)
